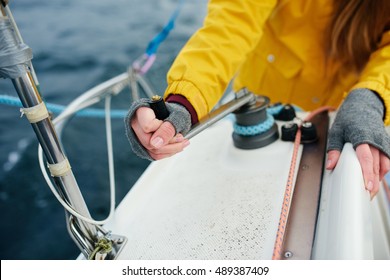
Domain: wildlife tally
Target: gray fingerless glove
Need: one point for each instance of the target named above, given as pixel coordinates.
(358, 121)
(179, 117)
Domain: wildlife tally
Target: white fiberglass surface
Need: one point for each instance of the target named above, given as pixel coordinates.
(212, 201)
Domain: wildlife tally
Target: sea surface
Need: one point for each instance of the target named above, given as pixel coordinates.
(77, 45)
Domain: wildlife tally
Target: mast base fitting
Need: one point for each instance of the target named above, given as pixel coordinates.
(252, 115)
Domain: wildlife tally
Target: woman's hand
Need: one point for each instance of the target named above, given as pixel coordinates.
(360, 122)
(158, 137)
(373, 162)
(154, 139)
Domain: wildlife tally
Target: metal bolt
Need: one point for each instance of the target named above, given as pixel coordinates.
(289, 125)
(307, 124)
(305, 167)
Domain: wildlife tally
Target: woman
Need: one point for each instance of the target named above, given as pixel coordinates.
(308, 53)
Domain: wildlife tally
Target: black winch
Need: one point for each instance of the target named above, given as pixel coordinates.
(254, 127)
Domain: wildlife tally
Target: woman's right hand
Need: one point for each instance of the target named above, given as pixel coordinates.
(158, 137)
(154, 139)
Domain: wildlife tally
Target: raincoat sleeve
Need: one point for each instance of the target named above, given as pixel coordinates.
(376, 74)
(207, 63)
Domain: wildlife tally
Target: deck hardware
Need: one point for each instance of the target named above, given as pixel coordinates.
(287, 113)
(254, 127)
(119, 240)
(289, 131)
(308, 129)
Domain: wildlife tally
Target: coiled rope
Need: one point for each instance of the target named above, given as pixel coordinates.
(262, 127)
(251, 130)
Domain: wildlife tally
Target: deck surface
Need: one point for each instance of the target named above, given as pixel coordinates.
(212, 201)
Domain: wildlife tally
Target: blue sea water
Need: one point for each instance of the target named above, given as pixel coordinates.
(77, 45)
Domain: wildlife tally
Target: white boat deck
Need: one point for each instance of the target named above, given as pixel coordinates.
(213, 201)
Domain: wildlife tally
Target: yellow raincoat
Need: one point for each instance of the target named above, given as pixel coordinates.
(274, 48)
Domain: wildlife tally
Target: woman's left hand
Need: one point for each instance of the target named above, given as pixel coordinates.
(373, 162)
(360, 122)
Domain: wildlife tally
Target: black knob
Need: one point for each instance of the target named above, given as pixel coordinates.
(157, 104)
(286, 114)
(309, 132)
(289, 131)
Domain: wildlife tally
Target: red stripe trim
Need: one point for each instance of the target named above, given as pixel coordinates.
(180, 99)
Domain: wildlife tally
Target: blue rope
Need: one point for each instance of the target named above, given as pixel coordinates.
(275, 110)
(57, 109)
(261, 127)
(160, 37)
(98, 113)
(252, 130)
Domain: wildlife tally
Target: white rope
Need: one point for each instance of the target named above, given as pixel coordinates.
(110, 153)
(64, 203)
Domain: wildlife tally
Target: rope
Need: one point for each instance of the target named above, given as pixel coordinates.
(103, 246)
(251, 130)
(280, 235)
(145, 61)
(160, 37)
(111, 169)
(274, 110)
(57, 109)
(277, 253)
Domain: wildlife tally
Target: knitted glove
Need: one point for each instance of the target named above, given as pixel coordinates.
(179, 117)
(358, 121)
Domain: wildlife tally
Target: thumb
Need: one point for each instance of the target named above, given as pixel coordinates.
(333, 158)
(162, 135)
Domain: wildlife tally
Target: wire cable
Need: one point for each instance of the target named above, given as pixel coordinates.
(64, 203)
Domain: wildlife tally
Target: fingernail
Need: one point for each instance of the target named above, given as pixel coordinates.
(370, 185)
(372, 195)
(186, 144)
(179, 138)
(157, 142)
(328, 163)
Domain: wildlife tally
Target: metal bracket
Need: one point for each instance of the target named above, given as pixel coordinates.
(86, 245)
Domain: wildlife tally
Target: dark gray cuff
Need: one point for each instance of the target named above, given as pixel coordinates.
(360, 121)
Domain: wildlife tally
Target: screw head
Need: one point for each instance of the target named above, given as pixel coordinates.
(119, 240)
